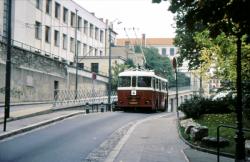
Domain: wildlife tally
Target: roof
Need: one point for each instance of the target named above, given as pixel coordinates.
(137, 72)
(149, 41)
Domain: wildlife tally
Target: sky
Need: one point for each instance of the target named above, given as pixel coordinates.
(137, 17)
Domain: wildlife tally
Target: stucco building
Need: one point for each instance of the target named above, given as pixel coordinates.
(56, 26)
(165, 46)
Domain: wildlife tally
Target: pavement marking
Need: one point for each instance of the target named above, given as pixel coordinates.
(185, 156)
(114, 153)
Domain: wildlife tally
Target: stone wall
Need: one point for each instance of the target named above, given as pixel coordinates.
(34, 77)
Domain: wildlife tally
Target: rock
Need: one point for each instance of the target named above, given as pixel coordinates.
(212, 141)
(185, 122)
(188, 129)
(198, 132)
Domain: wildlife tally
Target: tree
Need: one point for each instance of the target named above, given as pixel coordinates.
(161, 65)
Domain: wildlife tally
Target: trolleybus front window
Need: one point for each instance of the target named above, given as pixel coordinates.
(144, 81)
(133, 81)
(124, 81)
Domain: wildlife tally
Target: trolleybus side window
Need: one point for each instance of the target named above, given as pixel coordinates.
(163, 85)
(156, 84)
(125, 81)
(133, 81)
(160, 84)
(144, 81)
(153, 82)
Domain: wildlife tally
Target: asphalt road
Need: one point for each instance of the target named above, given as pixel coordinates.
(68, 141)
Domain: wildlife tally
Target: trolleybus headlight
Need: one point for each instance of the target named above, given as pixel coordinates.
(147, 101)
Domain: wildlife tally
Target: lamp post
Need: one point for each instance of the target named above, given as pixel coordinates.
(8, 66)
(109, 67)
(110, 74)
(174, 62)
(76, 58)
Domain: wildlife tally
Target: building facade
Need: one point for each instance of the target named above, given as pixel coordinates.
(57, 27)
(165, 46)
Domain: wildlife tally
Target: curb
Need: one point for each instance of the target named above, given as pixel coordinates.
(26, 116)
(27, 103)
(37, 125)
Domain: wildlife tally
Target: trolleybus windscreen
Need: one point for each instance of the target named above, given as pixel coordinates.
(124, 81)
(144, 81)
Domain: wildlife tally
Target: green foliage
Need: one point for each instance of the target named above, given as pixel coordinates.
(130, 63)
(137, 49)
(197, 106)
(161, 65)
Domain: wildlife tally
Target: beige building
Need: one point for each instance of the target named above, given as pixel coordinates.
(119, 55)
(165, 46)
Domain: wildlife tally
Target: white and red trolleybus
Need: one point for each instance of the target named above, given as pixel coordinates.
(140, 89)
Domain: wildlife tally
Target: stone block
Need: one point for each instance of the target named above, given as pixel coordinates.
(197, 133)
(212, 141)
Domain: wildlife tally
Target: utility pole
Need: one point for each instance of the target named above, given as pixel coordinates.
(8, 66)
(110, 74)
(76, 56)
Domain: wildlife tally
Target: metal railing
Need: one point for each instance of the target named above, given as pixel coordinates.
(218, 137)
(91, 97)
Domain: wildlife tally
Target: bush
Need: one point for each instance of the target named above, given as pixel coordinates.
(197, 106)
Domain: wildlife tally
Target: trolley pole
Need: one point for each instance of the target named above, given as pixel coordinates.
(8, 66)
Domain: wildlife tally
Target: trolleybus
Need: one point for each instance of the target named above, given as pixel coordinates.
(140, 89)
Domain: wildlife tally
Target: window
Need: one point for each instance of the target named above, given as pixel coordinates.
(91, 50)
(57, 10)
(96, 33)
(94, 67)
(164, 51)
(65, 41)
(101, 35)
(96, 52)
(144, 81)
(91, 30)
(101, 53)
(124, 81)
(171, 51)
(73, 19)
(56, 38)
(84, 49)
(72, 45)
(39, 4)
(81, 66)
(38, 30)
(79, 23)
(65, 15)
(47, 34)
(48, 6)
(86, 27)
(133, 81)
(78, 47)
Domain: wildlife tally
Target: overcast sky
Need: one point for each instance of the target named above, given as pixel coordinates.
(137, 17)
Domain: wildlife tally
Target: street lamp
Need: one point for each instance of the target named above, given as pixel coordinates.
(174, 62)
(110, 30)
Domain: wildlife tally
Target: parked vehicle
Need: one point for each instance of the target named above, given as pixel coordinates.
(140, 89)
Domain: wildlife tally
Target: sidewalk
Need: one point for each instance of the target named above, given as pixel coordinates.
(157, 140)
(24, 120)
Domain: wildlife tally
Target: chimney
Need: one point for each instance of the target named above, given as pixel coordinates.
(143, 40)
